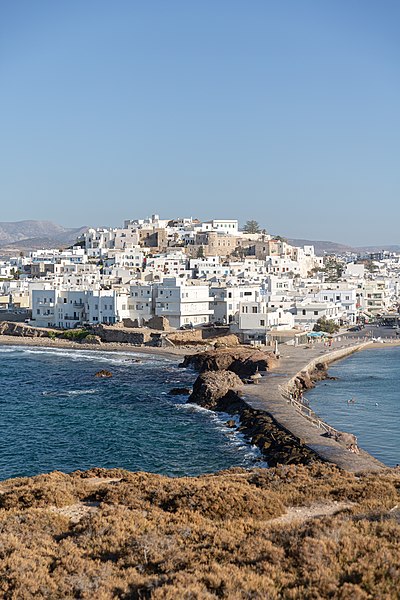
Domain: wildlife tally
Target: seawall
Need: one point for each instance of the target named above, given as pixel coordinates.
(272, 396)
(325, 360)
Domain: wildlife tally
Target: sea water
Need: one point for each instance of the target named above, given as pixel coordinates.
(370, 380)
(55, 415)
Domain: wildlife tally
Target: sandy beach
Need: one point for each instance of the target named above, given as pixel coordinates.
(38, 342)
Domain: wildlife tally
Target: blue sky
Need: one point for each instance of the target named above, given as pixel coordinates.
(285, 112)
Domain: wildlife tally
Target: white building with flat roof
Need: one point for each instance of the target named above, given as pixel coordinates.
(182, 303)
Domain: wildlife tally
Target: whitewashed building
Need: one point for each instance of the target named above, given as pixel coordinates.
(182, 303)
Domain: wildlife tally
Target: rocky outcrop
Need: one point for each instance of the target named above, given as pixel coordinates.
(212, 386)
(181, 391)
(213, 390)
(227, 341)
(305, 380)
(242, 361)
(186, 337)
(94, 340)
(103, 374)
(23, 330)
(218, 388)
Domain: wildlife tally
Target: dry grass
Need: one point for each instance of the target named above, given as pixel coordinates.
(215, 536)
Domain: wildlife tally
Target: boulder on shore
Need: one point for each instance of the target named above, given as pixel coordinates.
(227, 341)
(211, 386)
(181, 391)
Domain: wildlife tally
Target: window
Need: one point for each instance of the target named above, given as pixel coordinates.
(262, 322)
(254, 309)
(315, 312)
(247, 293)
(304, 311)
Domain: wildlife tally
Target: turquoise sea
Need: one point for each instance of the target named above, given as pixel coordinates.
(54, 414)
(371, 378)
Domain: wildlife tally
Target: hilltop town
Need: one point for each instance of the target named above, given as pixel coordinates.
(186, 274)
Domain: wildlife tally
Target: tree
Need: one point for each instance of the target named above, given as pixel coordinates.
(251, 227)
(200, 252)
(333, 269)
(326, 325)
(279, 238)
(15, 273)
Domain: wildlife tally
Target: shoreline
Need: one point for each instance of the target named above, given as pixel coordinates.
(276, 402)
(252, 398)
(60, 344)
(352, 391)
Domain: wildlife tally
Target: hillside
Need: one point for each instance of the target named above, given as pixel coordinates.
(288, 532)
(323, 246)
(36, 234)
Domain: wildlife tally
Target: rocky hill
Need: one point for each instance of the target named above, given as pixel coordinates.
(36, 234)
(326, 247)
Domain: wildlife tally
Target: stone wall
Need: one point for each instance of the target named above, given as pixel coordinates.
(122, 335)
(23, 330)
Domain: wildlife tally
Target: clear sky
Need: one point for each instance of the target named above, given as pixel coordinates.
(285, 111)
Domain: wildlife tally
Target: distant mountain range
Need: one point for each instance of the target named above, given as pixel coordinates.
(32, 235)
(322, 246)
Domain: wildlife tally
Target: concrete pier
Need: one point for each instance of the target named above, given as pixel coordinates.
(271, 396)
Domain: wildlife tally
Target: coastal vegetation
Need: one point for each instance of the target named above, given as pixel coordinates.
(307, 532)
(326, 325)
(75, 335)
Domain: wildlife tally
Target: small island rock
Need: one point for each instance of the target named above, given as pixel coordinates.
(103, 373)
(180, 391)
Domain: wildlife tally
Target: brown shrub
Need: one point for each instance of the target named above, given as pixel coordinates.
(205, 537)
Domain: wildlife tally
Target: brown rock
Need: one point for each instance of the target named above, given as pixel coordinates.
(24, 330)
(242, 361)
(211, 386)
(92, 339)
(227, 341)
(183, 391)
(103, 373)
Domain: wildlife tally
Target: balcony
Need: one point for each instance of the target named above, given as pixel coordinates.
(78, 305)
(68, 318)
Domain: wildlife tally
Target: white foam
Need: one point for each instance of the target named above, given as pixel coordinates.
(195, 408)
(68, 393)
(126, 358)
(235, 438)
